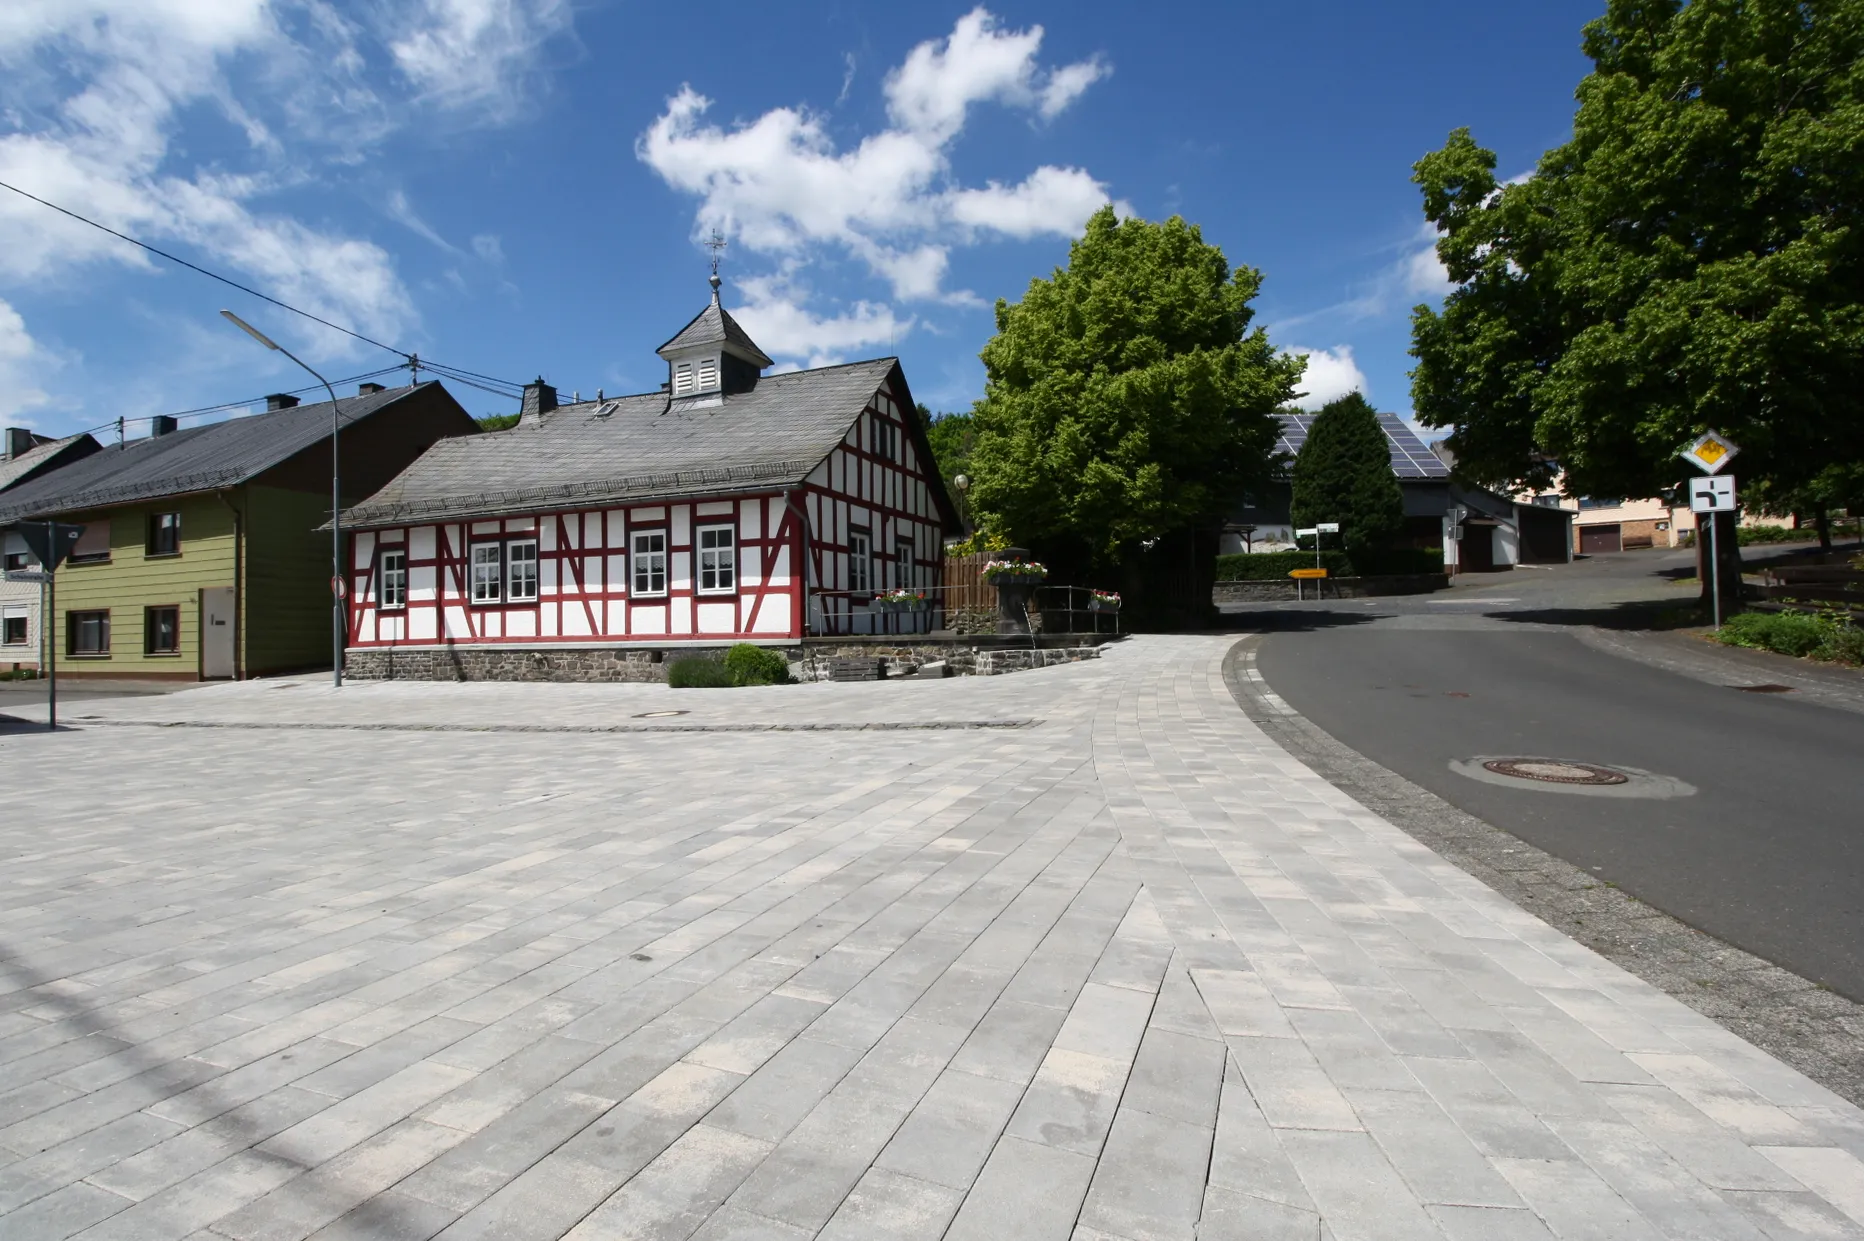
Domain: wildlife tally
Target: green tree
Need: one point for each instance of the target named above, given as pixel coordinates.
(1692, 258)
(1127, 401)
(1344, 473)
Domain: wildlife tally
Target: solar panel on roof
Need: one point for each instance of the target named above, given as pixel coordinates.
(1411, 458)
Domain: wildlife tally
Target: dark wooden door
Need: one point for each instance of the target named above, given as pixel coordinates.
(1604, 538)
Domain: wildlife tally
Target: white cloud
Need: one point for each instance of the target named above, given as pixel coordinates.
(402, 212)
(1331, 373)
(476, 53)
(105, 103)
(775, 316)
(782, 186)
(488, 247)
(23, 363)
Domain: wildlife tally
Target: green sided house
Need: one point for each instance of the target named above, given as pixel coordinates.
(201, 556)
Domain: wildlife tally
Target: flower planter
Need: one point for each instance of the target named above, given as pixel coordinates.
(1103, 605)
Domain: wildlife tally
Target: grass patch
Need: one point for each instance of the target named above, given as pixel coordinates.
(1803, 635)
(698, 672)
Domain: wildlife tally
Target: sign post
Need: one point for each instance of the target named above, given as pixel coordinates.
(50, 542)
(1711, 452)
(1712, 494)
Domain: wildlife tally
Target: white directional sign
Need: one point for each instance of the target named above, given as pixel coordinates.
(1714, 493)
(1328, 527)
(1306, 532)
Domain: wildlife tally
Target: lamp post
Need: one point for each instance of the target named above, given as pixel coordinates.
(338, 578)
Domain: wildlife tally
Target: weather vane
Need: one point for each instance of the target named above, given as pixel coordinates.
(716, 243)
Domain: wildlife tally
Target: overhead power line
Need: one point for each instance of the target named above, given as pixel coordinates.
(461, 376)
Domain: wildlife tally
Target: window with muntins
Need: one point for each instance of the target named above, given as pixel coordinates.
(650, 562)
(161, 630)
(164, 534)
(391, 579)
(87, 633)
(487, 569)
(521, 571)
(860, 561)
(718, 568)
(906, 570)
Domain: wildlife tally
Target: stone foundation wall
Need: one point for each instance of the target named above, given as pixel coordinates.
(467, 664)
(807, 663)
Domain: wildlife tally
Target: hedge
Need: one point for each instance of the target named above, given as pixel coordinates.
(1802, 634)
(698, 672)
(754, 665)
(1271, 566)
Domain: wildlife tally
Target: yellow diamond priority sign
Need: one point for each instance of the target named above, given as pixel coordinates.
(1711, 451)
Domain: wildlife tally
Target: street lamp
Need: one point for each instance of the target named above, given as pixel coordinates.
(338, 578)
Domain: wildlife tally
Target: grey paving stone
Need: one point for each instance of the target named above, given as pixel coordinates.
(1150, 1180)
(1026, 1190)
(1473, 1223)
(891, 1206)
(1232, 1216)
(948, 1135)
(784, 1089)
(1574, 1201)
(1421, 1141)
(1011, 1040)
(673, 1195)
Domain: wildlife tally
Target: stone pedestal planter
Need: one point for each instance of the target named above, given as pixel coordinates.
(1013, 597)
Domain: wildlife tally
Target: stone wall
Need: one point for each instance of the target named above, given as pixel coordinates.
(964, 657)
(1277, 589)
(480, 664)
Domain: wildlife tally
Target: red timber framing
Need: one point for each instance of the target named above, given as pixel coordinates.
(791, 562)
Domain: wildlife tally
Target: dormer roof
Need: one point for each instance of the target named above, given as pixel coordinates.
(714, 328)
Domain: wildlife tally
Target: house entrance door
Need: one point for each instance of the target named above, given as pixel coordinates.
(217, 630)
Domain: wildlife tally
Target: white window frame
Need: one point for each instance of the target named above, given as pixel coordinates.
(391, 579)
(717, 564)
(682, 378)
(24, 617)
(521, 587)
(487, 574)
(707, 374)
(646, 561)
(861, 561)
(905, 564)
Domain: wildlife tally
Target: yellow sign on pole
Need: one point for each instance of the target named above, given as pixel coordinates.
(1307, 573)
(1711, 451)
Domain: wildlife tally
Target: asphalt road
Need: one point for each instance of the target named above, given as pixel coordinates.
(1767, 854)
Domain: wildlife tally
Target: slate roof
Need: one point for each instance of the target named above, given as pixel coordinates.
(203, 458)
(714, 326)
(637, 449)
(1411, 460)
(43, 457)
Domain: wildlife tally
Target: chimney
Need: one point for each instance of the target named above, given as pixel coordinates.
(19, 442)
(368, 389)
(162, 424)
(539, 398)
(280, 400)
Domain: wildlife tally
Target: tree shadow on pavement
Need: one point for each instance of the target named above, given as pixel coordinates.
(1293, 620)
(1639, 614)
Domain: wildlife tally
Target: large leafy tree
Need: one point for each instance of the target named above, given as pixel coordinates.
(1127, 402)
(1692, 258)
(1343, 474)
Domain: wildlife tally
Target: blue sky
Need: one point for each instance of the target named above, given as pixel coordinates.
(518, 187)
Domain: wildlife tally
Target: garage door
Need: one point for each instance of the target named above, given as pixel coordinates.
(1599, 539)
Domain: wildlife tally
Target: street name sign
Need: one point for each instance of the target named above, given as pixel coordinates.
(1305, 531)
(1328, 527)
(1714, 493)
(1711, 451)
(38, 576)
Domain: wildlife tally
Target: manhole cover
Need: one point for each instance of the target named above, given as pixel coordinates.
(1553, 771)
(657, 715)
(1763, 689)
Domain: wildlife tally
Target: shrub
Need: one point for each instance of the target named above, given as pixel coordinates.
(698, 672)
(1788, 633)
(1745, 535)
(1267, 566)
(756, 665)
(1399, 561)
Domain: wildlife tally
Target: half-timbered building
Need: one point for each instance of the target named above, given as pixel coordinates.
(729, 506)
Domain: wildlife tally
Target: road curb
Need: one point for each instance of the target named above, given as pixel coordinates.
(1816, 1031)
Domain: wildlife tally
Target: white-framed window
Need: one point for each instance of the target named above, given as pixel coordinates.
(860, 561)
(487, 572)
(391, 578)
(682, 378)
(708, 374)
(521, 571)
(13, 627)
(649, 548)
(718, 559)
(905, 566)
(885, 439)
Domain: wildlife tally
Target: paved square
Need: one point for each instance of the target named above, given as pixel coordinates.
(1090, 959)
